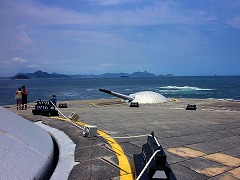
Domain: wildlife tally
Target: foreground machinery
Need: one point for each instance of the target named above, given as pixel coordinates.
(151, 163)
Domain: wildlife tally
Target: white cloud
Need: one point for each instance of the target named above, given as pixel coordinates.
(23, 38)
(106, 2)
(105, 65)
(112, 2)
(18, 60)
(32, 66)
(153, 13)
(21, 42)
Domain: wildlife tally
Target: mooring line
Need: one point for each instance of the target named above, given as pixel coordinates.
(123, 163)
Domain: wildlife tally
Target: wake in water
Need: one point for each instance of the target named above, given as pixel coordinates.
(185, 88)
(184, 91)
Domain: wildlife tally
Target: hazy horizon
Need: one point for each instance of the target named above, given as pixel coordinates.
(115, 73)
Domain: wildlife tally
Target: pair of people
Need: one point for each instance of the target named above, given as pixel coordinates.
(21, 97)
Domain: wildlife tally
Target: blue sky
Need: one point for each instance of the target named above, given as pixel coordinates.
(181, 37)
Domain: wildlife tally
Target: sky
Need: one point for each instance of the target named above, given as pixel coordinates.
(179, 37)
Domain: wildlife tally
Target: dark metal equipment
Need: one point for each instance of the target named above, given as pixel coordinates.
(191, 107)
(134, 104)
(45, 108)
(152, 162)
(62, 105)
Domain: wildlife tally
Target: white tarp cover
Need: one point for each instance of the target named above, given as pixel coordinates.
(148, 97)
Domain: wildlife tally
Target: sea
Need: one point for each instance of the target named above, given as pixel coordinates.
(202, 87)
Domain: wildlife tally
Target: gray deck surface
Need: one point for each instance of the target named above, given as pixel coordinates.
(201, 144)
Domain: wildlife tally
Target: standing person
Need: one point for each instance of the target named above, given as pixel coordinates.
(18, 97)
(54, 99)
(24, 97)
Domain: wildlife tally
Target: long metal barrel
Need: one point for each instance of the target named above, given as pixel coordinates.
(122, 96)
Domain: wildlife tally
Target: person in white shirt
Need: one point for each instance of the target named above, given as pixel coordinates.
(18, 97)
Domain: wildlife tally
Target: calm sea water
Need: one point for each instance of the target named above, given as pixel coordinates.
(87, 88)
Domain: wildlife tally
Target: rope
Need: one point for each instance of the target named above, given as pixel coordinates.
(149, 161)
(123, 137)
(66, 117)
(127, 137)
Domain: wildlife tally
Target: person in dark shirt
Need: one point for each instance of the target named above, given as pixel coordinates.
(24, 97)
(53, 100)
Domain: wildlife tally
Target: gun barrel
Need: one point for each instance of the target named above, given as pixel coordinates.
(105, 91)
(122, 96)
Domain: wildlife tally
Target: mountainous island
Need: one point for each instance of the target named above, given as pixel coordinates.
(40, 74)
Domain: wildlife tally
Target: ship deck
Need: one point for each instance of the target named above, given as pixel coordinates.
(200, 144)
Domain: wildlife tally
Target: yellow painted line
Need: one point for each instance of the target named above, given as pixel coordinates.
(123, 163)
(122, 159)
(59, 118)
(224, 159)
(95, 105)
(185, 152)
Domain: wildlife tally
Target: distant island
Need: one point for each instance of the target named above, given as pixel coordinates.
(121, 75)
(40, 75)
(19, 76)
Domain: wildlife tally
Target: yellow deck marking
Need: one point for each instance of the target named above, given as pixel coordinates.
(59, 118)
(122, 159)
(226, 176)
(224, 159)
(95, 105)
(123, 163)
(185, 152)
(236, 172)
(212, 171)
